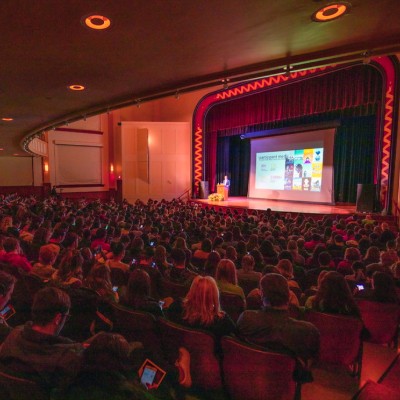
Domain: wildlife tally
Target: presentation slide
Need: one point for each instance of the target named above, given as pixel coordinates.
(296, 166)
(299, 169)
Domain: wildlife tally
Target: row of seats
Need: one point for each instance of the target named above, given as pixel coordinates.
(246, 371)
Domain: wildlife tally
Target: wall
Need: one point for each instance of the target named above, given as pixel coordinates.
(156, 159)
(20, 171)
(76, 135)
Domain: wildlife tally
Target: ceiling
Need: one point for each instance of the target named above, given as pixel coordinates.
(156, 47)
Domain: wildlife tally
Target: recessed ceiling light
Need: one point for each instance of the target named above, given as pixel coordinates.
(7, 119)
(76, 87)
(97, 22)
(331, 11)
(1, 149)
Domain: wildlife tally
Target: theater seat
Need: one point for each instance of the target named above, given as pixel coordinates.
(13, 388)
(204, 364)
(172, 289)
(381, 320)
(232, 304)
(254, 373)
(137, 326)
(341, 342)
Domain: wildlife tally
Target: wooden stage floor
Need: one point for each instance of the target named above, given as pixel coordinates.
(280, 206)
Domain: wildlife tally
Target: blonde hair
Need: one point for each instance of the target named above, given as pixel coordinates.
(226, 271)
(201, 304)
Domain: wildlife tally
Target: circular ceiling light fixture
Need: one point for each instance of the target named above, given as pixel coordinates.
(97, 22)
(76, 87)
(331, 11)
(7, 119)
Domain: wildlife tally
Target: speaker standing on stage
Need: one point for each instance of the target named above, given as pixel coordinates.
(226, 181)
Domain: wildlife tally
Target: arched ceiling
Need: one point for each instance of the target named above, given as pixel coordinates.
(156, 47)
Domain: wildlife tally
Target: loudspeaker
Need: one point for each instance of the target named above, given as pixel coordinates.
(366, 195)
(204, 190)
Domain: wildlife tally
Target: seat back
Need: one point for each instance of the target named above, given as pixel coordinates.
(84, 304)
(137, 326)
(253, 373)
(174, 290)
(232, 304)
(33, 284)
(340, 338)
(381, 320)
(248, 285)
(13, 388)
(204, 364)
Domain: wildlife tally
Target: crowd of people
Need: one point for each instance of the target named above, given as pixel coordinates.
(275, 263)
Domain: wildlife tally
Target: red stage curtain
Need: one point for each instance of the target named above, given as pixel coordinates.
(357, 86)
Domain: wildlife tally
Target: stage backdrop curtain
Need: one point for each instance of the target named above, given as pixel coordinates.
(233, 159)
(353, 156)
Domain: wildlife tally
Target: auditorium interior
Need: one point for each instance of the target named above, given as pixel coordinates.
(160, 99)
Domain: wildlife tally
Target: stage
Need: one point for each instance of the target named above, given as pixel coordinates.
(280, 206)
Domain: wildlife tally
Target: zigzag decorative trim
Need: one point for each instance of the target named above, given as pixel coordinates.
(387, 133)
(198, 154)
(266, 82)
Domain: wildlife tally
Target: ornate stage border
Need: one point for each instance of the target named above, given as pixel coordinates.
(386, 67)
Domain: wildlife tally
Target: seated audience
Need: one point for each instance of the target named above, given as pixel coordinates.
(247, 271)
(272, 327)
(201, 308)
(210, 266)
(36, 351)
(179, 273)
(118, 254)
(69, 273)
(44, 268)
(351, 255)
(226, 278)
(107, 372)
(383, 289)
(99, 280)
(137, 294)
(13, 256)
(333, 296)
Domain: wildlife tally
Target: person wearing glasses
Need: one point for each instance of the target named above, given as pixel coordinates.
(37, 351)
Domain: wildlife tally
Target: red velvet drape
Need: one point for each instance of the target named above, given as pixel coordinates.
(359, 85)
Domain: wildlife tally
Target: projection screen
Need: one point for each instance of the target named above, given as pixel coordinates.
(296, 167)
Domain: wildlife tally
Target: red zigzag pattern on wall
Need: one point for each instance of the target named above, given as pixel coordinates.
(198, 154)
(387, 132)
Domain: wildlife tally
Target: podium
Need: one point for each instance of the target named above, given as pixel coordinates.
(224, 190)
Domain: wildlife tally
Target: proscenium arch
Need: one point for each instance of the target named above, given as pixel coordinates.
(387, 119)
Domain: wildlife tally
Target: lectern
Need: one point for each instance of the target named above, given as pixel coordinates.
(224, 190)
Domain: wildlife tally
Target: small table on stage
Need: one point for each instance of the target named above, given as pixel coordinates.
(224, 190)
